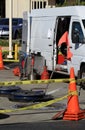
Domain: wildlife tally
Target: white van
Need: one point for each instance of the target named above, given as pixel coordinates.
(42, 30)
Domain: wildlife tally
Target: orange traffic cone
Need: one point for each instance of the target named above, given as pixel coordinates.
(45, 74)
(64, 39)
(16, 71)
(1, 60)
(73, 111)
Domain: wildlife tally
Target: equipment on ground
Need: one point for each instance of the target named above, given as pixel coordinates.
(7, 90)
(29, 96)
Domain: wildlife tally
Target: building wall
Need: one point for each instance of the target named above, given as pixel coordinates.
(19, 6)
(51, 2)
(39, 4)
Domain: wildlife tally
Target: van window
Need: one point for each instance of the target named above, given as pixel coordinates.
(77, 33)
(83, 22)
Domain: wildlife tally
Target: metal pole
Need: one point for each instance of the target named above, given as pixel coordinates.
(29, 6)
(10, 29)
(16, 52)
(29, 29)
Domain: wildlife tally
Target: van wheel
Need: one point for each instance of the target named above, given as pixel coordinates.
(82, 76)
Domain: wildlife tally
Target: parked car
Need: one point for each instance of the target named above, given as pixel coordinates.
(16, 28)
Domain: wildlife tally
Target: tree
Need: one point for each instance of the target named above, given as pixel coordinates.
(60, 2)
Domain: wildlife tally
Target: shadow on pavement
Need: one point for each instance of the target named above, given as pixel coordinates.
(51, 125)
(3, 116)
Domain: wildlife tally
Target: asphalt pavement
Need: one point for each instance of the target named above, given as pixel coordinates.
(38, 118)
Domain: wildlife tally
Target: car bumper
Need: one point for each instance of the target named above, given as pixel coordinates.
(4, 34)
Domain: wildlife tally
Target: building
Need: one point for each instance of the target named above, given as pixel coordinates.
(2, 8)
(19, 6)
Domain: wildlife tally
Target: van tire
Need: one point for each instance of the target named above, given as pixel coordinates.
(82, 76)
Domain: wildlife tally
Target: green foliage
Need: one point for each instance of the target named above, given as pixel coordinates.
(83, 3)
(60, 2)
(4, 42)
(67, 3)
(4, 54)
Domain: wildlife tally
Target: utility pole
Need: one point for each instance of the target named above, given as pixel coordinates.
(10, 29)
(29, 28)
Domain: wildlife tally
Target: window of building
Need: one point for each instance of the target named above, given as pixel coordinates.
(44, 4)
(35, 4)
(38, 4)
(2, 8)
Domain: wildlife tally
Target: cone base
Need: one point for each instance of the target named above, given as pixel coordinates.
(74, 116)
(1, 68)
(70, 116)
(58, 115)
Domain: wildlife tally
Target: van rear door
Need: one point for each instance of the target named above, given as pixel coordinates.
(42, 37)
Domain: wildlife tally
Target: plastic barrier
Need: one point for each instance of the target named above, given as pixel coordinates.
(35, 81)
(39, 105)
(7, 83)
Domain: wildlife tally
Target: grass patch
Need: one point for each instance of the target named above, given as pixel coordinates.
(5, 42)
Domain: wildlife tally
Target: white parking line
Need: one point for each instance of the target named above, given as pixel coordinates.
(51, 92)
